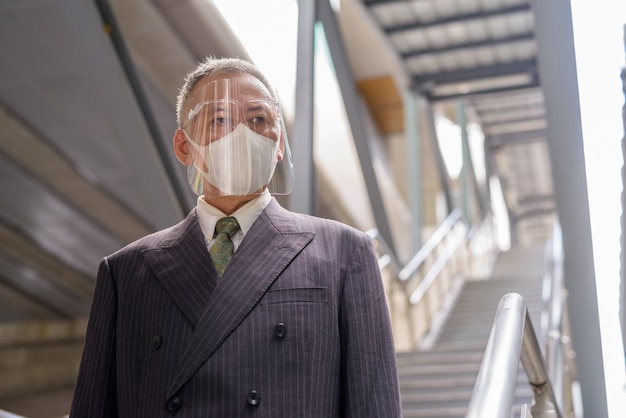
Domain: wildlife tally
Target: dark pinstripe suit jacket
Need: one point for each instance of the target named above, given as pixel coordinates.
(297, 327)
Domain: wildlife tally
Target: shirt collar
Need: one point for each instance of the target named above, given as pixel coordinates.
(208, 215)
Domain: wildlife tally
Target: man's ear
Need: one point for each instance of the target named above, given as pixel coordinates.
(181, 147)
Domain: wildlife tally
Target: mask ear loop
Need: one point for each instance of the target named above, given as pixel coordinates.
(282, 181)
(194, 173)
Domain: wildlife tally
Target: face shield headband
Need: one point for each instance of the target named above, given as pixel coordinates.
(237, 140)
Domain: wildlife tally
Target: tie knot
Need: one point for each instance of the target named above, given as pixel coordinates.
(227, 225)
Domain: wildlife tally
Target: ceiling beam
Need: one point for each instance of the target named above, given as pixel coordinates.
(528, 66)
(495, 141)
(442, 97)
(476, 44)
(521, 8)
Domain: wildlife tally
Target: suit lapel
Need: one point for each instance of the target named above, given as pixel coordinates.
(183, 266)
(269, 246)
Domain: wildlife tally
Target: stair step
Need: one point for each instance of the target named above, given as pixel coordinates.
(522, 394)
(469, 344)
(438, 369)
(447, 385)
(431, 357)
(419, 412)
(440, 374)
(489, 291)
(439, 382)
(437, 398)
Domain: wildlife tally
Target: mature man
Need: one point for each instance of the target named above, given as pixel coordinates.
(243, 308)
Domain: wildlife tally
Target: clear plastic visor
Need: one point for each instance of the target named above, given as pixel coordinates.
(237, 139)
(212, 120)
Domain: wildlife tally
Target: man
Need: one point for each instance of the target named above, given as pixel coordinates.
(294, 324)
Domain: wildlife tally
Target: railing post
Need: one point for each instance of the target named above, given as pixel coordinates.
(543, 407)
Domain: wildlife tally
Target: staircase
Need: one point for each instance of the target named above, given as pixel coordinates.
(438, 382)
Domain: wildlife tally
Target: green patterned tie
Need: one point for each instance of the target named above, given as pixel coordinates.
(223, 248)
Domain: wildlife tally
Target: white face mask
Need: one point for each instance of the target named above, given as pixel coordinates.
(239, 163)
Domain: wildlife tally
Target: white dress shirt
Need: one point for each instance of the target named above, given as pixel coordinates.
(246, 215)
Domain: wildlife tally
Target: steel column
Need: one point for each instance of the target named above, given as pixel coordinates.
(414, 167)
(302, 198)
(444, 178)
(467, 168)
(557, 70)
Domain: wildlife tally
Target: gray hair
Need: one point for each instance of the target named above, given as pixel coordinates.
(212, 66)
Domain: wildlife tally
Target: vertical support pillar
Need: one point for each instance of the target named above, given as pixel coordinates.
(441, 166)
(557, 70)
(479, 195)
(414, 167)
(355, 111)
(513, 228)
(466, 170)
(488, 173)
(622, 282)
(176, 184)
(302, 198)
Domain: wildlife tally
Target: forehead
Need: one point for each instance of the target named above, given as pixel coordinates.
(240, 87)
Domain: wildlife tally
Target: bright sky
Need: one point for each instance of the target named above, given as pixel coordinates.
(600, 55)
(599, 42)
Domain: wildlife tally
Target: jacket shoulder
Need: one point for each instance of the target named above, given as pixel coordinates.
(160, 239)
(329, 228)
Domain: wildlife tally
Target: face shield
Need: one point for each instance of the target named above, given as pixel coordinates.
(237, 139)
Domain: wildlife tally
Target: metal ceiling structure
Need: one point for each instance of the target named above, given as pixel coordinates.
(96, 177)
(484, 53)
(512, 62)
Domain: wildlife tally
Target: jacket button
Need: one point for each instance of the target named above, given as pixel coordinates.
(280, 330)
(156, 342)
(174, 404)
(253, 398)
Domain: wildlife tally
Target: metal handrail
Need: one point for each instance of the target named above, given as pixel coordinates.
(426, 270)
(435, 269)
(512, 338)
(404, 274)
(429, 246)
(388, 258)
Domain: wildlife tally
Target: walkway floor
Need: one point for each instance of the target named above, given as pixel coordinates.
(55, 404)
